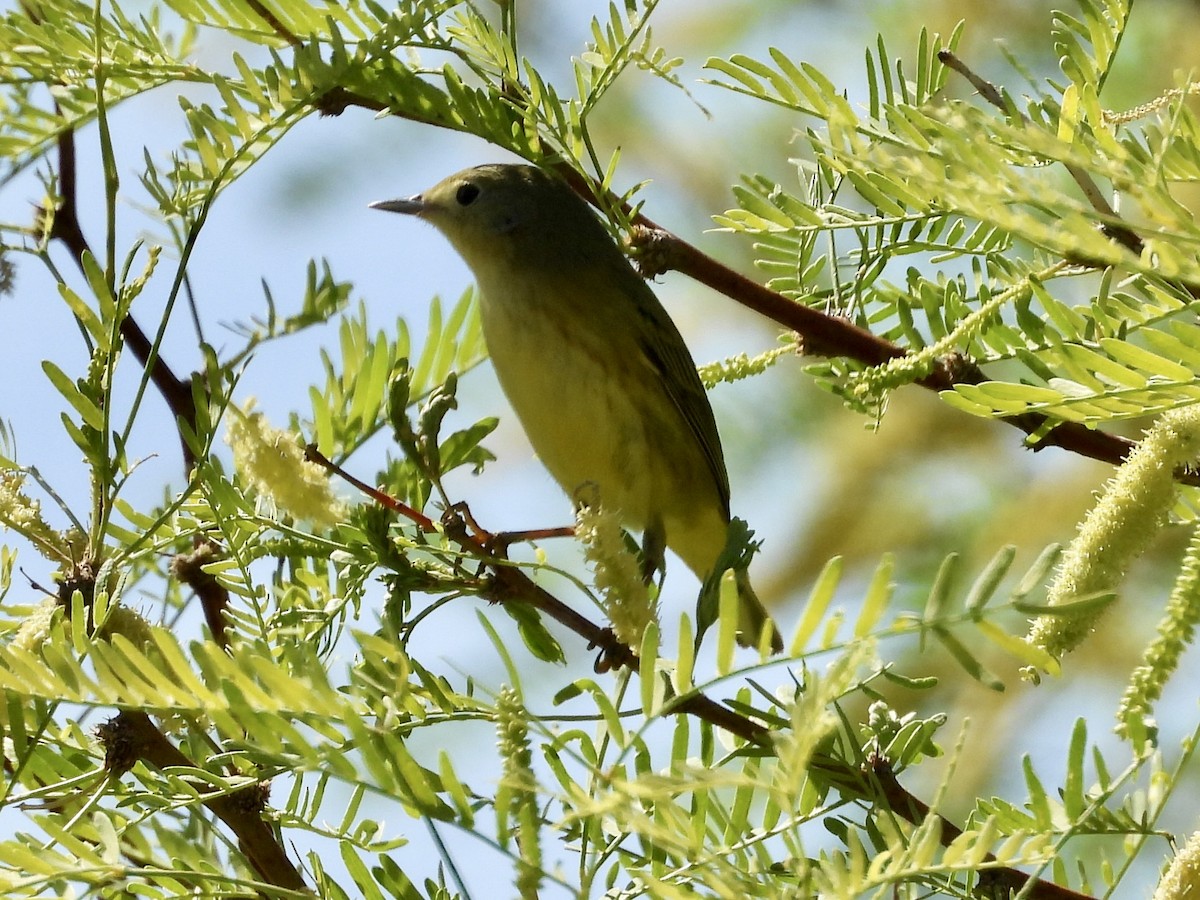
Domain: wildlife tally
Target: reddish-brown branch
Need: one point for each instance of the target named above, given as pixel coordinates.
(878, 785)
(138, 734)
(131, 737)
(1112, 226)
(831, 336)
(66, 228)
(1000, 881)
(214, 599)
(824, 335)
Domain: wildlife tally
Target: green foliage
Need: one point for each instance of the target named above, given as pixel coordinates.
(309, 711)
(963, 187)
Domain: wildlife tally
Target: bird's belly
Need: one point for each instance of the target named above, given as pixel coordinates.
(585, 427)
(601, 421)
(589, 416)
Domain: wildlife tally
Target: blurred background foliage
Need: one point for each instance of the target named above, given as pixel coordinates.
(814, 479)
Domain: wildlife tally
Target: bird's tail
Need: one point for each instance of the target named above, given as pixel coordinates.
(753, 617)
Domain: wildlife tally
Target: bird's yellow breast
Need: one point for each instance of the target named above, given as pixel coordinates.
(597, 414)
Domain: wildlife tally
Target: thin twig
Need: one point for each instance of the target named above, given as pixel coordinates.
(422, 521)
(1120, 233)
(277, 26)
(508, 584)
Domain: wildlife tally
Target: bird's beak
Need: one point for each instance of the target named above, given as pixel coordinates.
(413, 206)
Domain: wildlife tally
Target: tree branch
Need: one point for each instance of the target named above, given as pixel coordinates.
(997, 881)
(1113, 228)
(508, 584)
(176, 393)
(829, 336)
(131, 737)
(66, 228)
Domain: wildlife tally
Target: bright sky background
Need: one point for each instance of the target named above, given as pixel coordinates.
(309, 200)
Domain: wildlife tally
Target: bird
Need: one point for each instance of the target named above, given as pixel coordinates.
(593, 366)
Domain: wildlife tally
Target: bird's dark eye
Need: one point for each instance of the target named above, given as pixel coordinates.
(466, 194)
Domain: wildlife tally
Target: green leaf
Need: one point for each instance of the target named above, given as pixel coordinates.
(86, 316)
(1039, 573)
(819, 598)
(462, 447)
(1075, 803)
(879, 593)
(537, 638)
(970, 664)
(358, 873)
(1039, 802)
(88, 411)
(1020, 648)
(652, 684)
(989, 580)
(939, 592)
(1075, 606)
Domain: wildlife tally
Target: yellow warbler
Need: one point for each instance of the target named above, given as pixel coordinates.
(593, 366)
